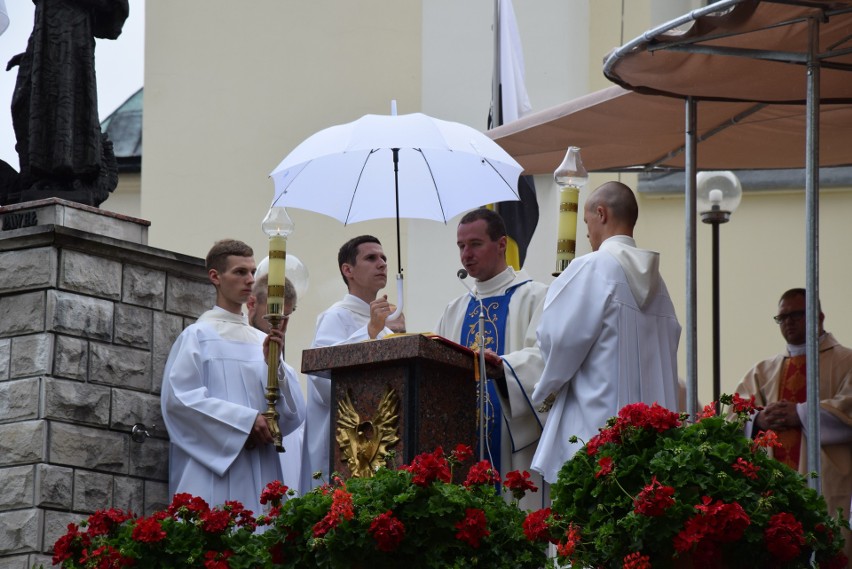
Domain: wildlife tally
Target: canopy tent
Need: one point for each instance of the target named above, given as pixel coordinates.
(650, 134)
(790, 51)
(743, 50)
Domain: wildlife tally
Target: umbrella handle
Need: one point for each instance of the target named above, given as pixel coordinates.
(399, 298)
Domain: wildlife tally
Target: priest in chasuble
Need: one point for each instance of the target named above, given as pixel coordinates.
(779, 385)
(512, 303)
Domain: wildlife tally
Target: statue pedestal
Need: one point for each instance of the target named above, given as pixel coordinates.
(88, 314)
(432, 377)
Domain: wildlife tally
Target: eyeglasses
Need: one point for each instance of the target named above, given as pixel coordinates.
(795, 315)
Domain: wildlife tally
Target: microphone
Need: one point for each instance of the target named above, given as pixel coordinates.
(462, 274)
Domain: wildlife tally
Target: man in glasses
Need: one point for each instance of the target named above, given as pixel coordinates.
(779, 385)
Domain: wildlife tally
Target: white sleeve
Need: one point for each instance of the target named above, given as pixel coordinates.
(210, 430)
(571, 322)
(291, 404)
(332, 331)
(832, 431)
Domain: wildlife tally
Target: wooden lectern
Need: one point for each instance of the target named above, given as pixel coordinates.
(433, 379)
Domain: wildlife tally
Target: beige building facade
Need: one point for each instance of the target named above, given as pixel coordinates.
(231, 88)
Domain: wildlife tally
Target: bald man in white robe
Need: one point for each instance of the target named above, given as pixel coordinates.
(608, 333)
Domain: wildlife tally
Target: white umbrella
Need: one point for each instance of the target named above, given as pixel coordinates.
(389, 166)
(347, 171)
(4, 17)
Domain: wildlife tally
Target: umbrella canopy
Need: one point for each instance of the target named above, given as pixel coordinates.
(742, 50)
(395, 166)
(651, 134)
(349, 171)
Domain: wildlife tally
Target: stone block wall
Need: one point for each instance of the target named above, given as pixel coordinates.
(86, 324)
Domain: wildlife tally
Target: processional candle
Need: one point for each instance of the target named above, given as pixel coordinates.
(570, 176)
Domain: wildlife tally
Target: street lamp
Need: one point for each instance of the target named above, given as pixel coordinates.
(718, 195)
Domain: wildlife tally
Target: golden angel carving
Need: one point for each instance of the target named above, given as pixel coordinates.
(364, 444)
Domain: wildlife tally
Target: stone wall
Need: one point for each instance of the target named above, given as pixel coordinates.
(86, 323)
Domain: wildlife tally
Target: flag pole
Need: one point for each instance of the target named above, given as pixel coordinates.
(483, 375)
(496, 118)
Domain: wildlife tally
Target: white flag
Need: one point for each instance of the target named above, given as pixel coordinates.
(513, 89)
(510, 93)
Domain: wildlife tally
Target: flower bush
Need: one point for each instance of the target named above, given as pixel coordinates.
(409, 517)
(651, 490)
(188, 534)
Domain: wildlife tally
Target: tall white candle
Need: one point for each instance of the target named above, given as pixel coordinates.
(277, 264)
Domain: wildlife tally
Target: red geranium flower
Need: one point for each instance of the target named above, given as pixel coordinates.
(608, 435)
(572, 540)
(428, 467)
(536, 527)
(636, 560)
(388, 531)
(277, 553)
(716, 522)
(243, 518)
(215, 521)
(640, 416)
(784, 537)
(765, 439)
(473, 527)
(148, 530)
(746, 468)
(217, 559)
(462, 453)
(105, 557)
(519, 482)
(184, 503)
(274, 492)
(654, 499)
(482, 473)
(741, 405)
(103, 521)
(341, 509)
(64, 547)
(708, 411)
(605, 465)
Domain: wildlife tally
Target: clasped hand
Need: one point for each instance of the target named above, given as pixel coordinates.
(778, 416)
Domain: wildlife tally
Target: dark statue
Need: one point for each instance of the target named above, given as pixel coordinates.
(61, 148)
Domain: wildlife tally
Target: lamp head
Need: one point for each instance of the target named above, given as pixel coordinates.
(718, 195)
(571, 172)
(277, 222)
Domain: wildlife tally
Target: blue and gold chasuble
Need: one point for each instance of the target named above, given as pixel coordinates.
(496, 313)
